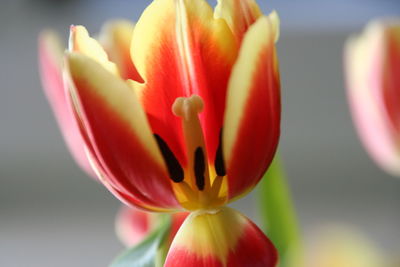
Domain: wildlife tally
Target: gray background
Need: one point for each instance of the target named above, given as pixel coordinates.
(52, 215)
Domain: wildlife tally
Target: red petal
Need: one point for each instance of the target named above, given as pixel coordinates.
(117, 134)
(253, 242)
(252, 119)
(220, 238)
(134, 198)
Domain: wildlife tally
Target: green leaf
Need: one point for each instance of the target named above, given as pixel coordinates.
(150, 252)
(278, 215)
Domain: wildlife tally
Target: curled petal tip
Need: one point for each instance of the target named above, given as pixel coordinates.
(275, 21)
(80, 41)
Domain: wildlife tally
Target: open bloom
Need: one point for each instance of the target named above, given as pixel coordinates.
(193, 124)
(373, 80)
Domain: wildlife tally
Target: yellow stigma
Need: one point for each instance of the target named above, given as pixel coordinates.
(201, 188)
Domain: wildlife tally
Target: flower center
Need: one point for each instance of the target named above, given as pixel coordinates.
(202, 186)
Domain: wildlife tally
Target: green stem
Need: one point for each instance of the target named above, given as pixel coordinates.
(278, 215)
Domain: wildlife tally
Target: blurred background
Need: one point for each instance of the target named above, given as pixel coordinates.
(51, 214)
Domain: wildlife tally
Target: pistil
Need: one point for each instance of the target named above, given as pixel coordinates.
(188, 109)
(198, 189)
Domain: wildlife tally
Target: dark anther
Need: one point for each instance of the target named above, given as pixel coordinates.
(219, 159)
(174, 168)
(199, 168)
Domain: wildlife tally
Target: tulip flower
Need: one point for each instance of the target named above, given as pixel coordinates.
(372, 63)
(193, 125)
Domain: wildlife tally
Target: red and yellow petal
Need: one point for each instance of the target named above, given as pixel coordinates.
(117, 134)
(116, 37)
(134, 198)
(179, 49)
(50, 62)
(252, 116)
(220, 238)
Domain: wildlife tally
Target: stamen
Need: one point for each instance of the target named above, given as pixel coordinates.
(187, 191)
(199, 168)
(196, 190)
(219, 159)
(216, 186)
(174, 168)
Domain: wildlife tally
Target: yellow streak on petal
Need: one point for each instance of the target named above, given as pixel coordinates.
(259, 37)
(80, 41)
(210, 233)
